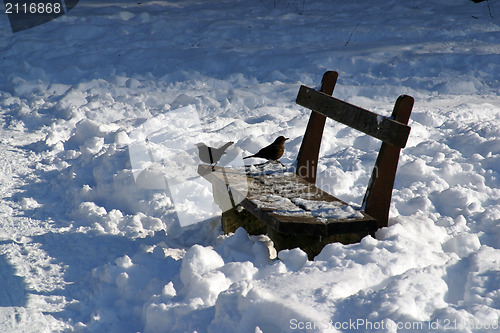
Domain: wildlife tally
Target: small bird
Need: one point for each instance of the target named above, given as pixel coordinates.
(272, 152)
(211, 155)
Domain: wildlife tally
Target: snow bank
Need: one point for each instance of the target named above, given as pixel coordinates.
(91, 242)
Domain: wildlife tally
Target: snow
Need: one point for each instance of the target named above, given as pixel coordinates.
(92, 241)
(323, 209)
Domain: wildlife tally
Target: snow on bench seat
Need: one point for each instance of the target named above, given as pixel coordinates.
(287, 203)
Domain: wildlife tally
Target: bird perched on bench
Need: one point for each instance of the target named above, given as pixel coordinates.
(211, 155)
(272, 152)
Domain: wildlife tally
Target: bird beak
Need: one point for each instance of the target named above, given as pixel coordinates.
(286, 139)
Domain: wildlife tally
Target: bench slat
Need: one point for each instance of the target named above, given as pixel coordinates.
(281, 200)
(383, 128)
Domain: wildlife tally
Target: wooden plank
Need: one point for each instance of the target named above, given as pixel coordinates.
(270, 199)
(307, 158)
(383, 128)
(377, 200)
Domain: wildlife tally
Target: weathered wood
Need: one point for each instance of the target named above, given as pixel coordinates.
(236, 218)
(273, 203)
(377, 200)
(307, 158)
(383, 128)
(289, 207)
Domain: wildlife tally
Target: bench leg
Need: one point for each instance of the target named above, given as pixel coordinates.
(237, 217)
(377, 200)
(307, 158)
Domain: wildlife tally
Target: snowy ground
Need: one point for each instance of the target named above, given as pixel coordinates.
(84, 248)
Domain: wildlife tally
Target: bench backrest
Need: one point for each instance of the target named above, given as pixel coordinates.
(393, 131)
(377, 126)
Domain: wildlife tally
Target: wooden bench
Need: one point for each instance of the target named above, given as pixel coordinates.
(288, 206)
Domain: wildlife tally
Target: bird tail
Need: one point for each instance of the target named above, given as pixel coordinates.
(226, 145)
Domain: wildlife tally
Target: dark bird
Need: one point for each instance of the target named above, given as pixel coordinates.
(272, 152)
(211, 155)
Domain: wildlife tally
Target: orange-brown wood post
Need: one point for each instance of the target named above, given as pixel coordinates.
(307, 159)
(377, 200)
